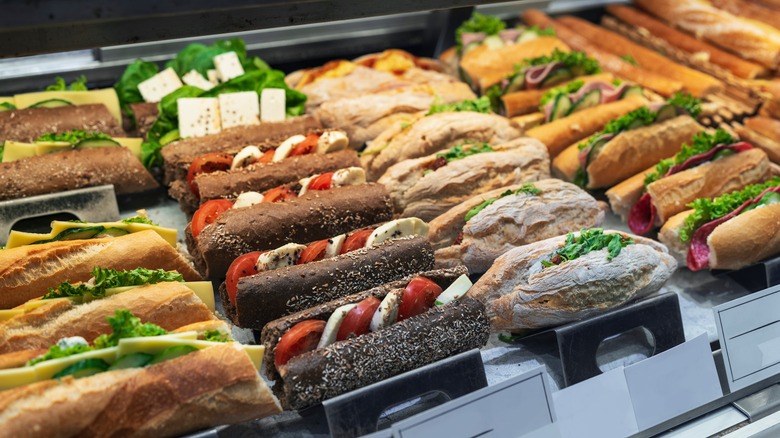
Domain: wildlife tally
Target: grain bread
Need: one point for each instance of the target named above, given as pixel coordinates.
(520, 294)
(27, 272)
(269, 295)
(527, 101)
(181, 395)
(625, 194)
(313, 216)
(416, 192)
(26, 125)
(509, 222)
(144, 114)
(748, 38)
(75, 169)
(169, 305)
(559, 134)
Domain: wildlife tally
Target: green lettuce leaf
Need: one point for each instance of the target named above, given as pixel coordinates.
(106, 278)
(702, 142)
(478, 23)
(479, 105)
(127, 86)
(80, 84)
(527, 188)
(125, 325)
(588, 241)
(73, 137)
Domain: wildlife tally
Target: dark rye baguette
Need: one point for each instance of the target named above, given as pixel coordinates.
(75, 169)
(274, 330)
(26, 125)
(269, 295)
(258, 177)
(314, 216)
(420, 340)
(182, 152)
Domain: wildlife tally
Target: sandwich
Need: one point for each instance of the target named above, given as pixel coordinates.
(762, 132)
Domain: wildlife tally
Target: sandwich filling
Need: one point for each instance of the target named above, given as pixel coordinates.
(107, 278)
(492, 31)
(458, 152)
(576, 96)
(586, 242)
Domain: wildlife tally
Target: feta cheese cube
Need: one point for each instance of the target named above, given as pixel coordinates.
(197, 80)
(228, 66)
(238, 109)
(160, 85)
(213, 76)
(272, 105)
(198, 116)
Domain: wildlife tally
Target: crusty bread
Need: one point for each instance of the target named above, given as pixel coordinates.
(27, 124)
(511, 221)
(519, 294)
(171, 398)
(527, 101)
(746, 239)
(671, 194)
(27, 272)
(436, 133)
(695, 82)
(749, 9)
(766, 126)
(169, 305)
(416, 193)
(669, 235)
(560, 133)
(758, 139)
(748, 38)
(624, 195)
(19, 358)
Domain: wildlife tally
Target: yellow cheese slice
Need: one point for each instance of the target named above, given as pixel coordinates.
(14, 150)
(205, 291)
(132, 143)
(20, 238)
(47, 370)
(8, 99)
(14, 377)
(106, 96)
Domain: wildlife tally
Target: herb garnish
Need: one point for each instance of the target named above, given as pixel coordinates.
(588, 241)
(702, 142)
(80, 84)
(73, 137)
(458, 152)
(57, 352)
(486, 24)
(526, 188)
(570, 60)
(480, 105)
(106, 278)
(139, 220)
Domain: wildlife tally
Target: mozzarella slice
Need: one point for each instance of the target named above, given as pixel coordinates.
(409, 226)
(287, 255)
(387, 312)
(457, 289)
(350, 176)
(248, 199)
(286, 147)
(305, 183)
(333, 325)
(245, 157)
(332, 141)
(334, 245)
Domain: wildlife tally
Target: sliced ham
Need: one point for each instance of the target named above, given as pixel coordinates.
(467, 38)
(509, 35)
(536, 74)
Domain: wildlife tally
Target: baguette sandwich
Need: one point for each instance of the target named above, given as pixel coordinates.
(351, 342)
(763, 133)
(26, 125)
(571, 277)
(477, 231)
(729, 232)
(519, 103)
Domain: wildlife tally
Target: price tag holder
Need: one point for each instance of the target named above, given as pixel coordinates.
(749, 332)
(514, 407)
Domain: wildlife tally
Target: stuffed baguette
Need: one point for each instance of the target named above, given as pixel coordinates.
(28, 124)
(427, 187)
(326, 368)
(630, 144)
(729, 232)
(479, 230)
(762, 132)
(566, 278)
(26, 271)
(524, 102)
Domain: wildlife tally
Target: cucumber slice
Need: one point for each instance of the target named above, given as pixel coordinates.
(471, 46)
(132, 360)
(51, 103)
(666, 112)
(557, 77)
(172, 353)
(517, 83)
(112, 232)
(595, 150)
(494, 42)
(83, 368)
(527, 36)
(561, 107)
(634, 90)
(95, 143)
(635, 124)
(589, 100)
(74, 234)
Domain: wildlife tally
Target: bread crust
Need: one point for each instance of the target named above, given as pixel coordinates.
(625, 194)
(27, 272)
(669, 235)
(26, 125)
(746, 239)
(750, 10)
(671, 194)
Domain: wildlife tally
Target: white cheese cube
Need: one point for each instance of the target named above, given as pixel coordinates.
(272, 105)
(198, 116)
(238, 109)
(197, 80)
(160, 85)
(213, 76)
(228, 66)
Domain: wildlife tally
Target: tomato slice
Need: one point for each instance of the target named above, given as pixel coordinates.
(243, 266)
(307, 146)
(208, 213)
(267, 157)
(419, 296)
(314, 252)
(302, 337)
(358, 319)
(356, 240)
(279, 194)
(321, 182)
(206, 164)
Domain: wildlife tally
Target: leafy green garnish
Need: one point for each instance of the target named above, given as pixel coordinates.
(570, 60)
(588, 241)
(7, 105)
(56, 352)
(527, 188)
(494, 93)
(106, 278)
(707, 210)
(139, 220)
(687, 102)
(480, 105)
(73, 137)
(125, 325)
(80, 84)
(458, 152)
(486, 24)
(566, 89)
(630, 59)
(127, 86)
(547, 31)
(702, 142)
(200, 57)
(215, 336)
